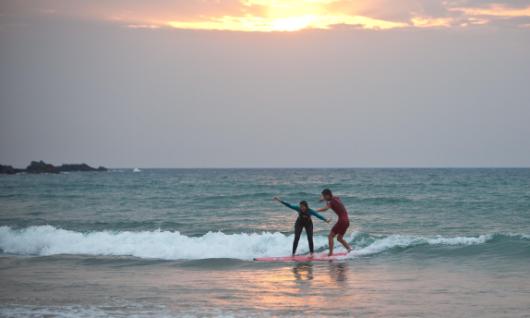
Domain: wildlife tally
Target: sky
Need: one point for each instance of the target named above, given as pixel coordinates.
(256, 83)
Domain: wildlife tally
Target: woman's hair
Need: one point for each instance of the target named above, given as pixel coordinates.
(326, 192)
(304, 203)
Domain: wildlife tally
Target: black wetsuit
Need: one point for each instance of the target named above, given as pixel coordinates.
(303, 221)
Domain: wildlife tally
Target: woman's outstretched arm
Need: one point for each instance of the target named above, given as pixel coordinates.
(290, 206)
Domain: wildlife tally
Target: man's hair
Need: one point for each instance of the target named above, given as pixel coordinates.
(327, 192)
(304, 203)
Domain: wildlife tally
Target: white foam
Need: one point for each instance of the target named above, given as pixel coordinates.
(520, 236)
(48, 240)
(85, 311)
(120, 309)
(402, 241)
(52, 311)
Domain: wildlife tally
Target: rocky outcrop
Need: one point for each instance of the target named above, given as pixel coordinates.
(9, 170)
(79, 167)
(43, 167)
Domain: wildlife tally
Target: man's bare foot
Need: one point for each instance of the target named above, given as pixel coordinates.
(330, 254)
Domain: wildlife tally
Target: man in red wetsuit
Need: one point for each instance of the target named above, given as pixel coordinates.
(343, 222)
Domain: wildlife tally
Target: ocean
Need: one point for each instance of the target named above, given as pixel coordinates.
(181, 243)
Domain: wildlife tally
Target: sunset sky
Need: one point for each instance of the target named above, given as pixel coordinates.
(213, 83)
(285, 15)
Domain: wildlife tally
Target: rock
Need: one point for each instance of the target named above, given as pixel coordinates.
(9, 170)
(41, 167)
(76, 167)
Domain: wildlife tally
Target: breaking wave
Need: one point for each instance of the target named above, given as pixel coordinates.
(48, 240)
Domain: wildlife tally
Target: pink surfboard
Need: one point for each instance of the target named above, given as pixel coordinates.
(303, 258)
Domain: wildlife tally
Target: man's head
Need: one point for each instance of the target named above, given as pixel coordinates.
(327, 195)
(304, 206)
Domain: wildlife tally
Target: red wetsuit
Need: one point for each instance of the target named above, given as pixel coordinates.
(343, 223)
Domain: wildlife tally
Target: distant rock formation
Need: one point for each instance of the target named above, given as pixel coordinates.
(9, 170)
(43, 167)
(79, 167)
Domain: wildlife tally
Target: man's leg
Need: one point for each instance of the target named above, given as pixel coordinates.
(343, 242)
(298, 226)
(331, 238)
(309, 232)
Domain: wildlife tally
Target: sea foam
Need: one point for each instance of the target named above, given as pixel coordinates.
(403, 241)
(49, 240)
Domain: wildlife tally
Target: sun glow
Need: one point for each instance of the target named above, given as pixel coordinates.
(292, 23)
(297, 15)
(287, 24)
(286, 15)
(247, 23)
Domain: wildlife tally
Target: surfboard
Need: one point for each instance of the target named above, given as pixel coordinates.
(303, 258)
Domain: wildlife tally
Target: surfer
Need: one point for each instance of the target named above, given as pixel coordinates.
(303, 221)
(339, 229)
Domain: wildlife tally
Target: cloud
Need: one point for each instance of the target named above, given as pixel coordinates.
(494, 10)
(285, 15)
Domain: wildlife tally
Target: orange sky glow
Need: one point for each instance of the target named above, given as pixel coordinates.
(295, 15)
(289, 15)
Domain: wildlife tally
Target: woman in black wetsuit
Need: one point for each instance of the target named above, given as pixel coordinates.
(303, 221)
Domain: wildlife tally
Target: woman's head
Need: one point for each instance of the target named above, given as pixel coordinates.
(304, 206)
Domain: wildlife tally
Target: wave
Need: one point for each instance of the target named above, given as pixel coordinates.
(239, 196)
(377, 200)
(404, 241)
(383, 200)
(48, 240)
(112, 309)
(312, 197)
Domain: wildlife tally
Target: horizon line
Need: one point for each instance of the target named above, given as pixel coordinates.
(329, 167)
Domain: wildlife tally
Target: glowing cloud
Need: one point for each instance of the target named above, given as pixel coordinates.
(281, 15)
(496, 11)
(295, 15)
(427, 22)
(286, 15)
(293, 23)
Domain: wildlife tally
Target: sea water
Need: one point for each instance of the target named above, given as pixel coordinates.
(181, 242)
